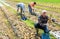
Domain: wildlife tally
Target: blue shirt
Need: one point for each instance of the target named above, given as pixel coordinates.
(22, 5)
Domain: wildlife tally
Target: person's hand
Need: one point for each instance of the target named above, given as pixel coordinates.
(53, 20)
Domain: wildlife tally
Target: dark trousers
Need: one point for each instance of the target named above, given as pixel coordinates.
(43, 27)
(31, 11)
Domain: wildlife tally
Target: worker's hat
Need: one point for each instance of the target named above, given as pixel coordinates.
(44, 11)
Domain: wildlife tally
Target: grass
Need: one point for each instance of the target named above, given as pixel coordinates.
(29, 23)
(52, 37)
(49, 3)
(43, 2)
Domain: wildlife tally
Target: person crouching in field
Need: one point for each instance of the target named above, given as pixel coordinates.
(21, 10)
(31, 8)
(42, 22)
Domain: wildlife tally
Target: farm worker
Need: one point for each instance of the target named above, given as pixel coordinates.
(21, 9)
(31, 7)
(42, 22)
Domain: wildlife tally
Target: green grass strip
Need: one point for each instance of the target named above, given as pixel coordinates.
(29, 23)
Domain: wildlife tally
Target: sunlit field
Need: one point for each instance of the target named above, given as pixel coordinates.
(26, 28)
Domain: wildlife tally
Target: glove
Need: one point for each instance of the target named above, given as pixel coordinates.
(53, 20)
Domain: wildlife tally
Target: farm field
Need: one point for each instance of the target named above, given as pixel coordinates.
(20, 29)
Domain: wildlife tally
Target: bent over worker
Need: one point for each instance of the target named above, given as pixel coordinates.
(21, 7)
(21, 10)
(31, 8)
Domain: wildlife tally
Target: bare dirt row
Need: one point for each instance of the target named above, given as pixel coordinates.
(19, 28)
(5, 29)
